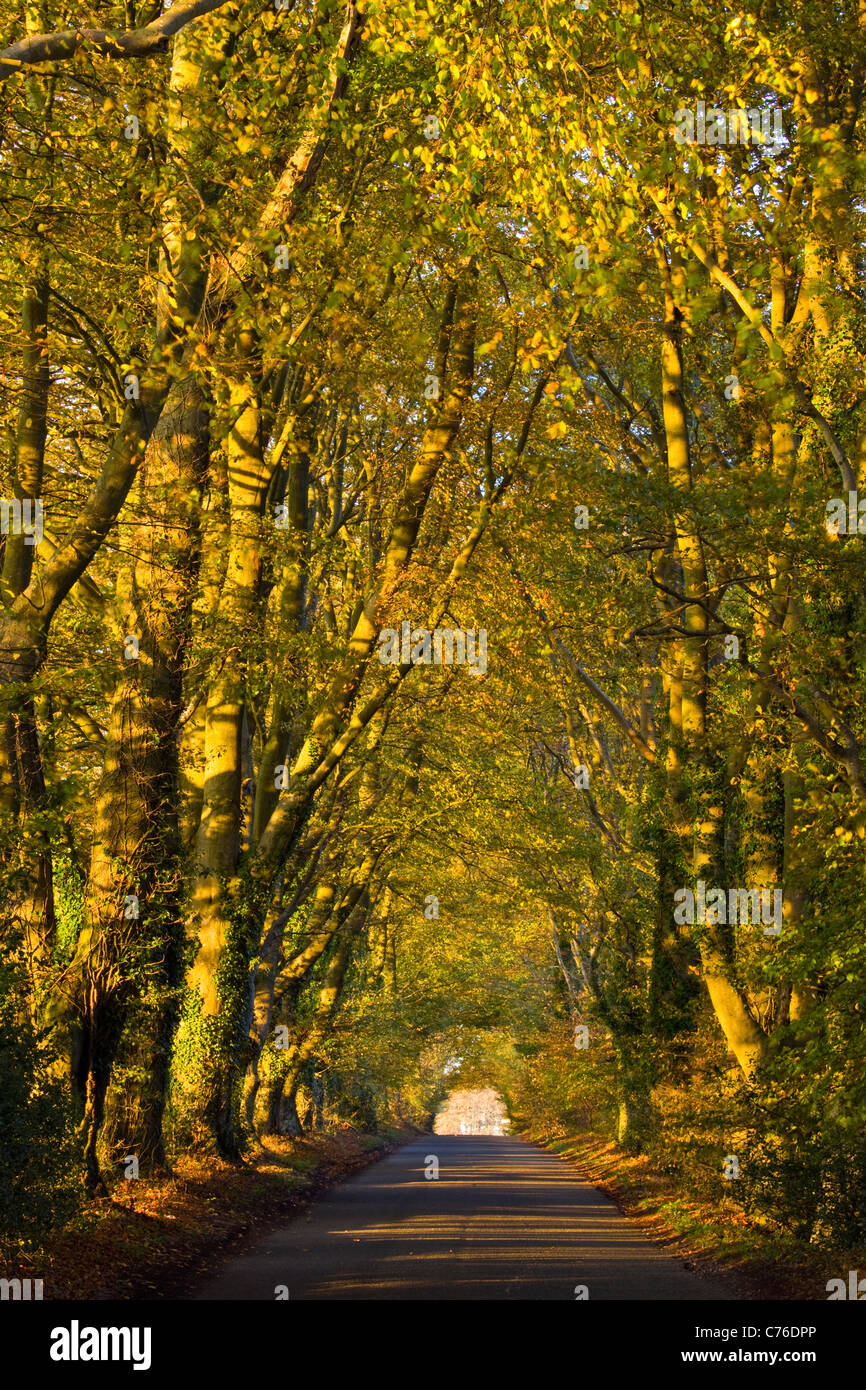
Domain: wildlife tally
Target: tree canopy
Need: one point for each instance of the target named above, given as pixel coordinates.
(434, 628)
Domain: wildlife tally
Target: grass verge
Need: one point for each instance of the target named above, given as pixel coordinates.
(755, 1259)
(157, 1239)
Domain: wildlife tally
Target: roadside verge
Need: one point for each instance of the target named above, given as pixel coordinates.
(158, 1239)
(757, 1261)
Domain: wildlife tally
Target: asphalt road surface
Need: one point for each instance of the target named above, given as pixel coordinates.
(502, 1220)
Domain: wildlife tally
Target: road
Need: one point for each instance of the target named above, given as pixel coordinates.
(502, 1220)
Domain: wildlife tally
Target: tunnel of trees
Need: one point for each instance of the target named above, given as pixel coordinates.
(329, 327)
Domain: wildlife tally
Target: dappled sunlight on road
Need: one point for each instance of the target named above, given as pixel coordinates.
(469, 1217)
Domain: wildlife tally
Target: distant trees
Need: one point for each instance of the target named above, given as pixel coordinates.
(472, 1112)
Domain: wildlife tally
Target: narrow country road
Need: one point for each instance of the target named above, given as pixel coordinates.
(503, 1220)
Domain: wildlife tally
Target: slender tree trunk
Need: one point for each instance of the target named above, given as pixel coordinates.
(697, 787)
(128, 957)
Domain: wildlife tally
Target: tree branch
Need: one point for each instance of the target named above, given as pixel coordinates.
(132, 43)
